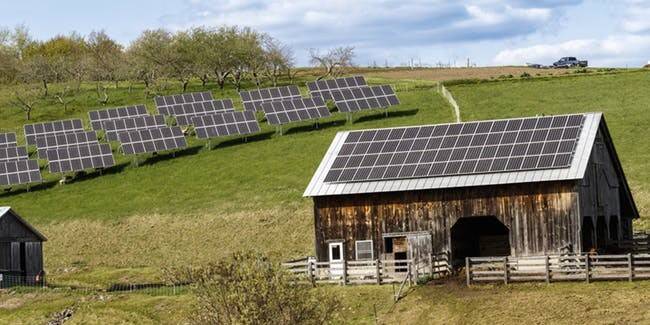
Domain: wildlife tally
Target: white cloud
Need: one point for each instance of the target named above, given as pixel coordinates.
(637, 16)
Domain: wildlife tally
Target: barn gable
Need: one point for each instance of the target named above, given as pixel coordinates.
(13, 228)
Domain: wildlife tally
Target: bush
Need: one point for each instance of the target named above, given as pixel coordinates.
(249, 289)
(525, 75)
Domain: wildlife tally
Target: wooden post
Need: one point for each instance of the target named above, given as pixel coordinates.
(408, 270)
(378, 271)
(547, 269)
(587, 268)
(505, 270)
(630, 267)
(312, 276)
(345, 272)
(432, 262)
(469, 276)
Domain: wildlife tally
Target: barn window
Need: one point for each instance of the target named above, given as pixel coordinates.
(5, 256)
(364, 250)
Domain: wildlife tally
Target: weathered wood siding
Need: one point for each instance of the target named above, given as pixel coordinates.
(12, 230)
(541, 217)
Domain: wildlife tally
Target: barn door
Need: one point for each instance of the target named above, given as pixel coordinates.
(419, 247)
(336, 259)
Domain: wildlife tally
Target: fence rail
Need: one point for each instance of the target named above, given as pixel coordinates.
(554, 268)
(370, 272)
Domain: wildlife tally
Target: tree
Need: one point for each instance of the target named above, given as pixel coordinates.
(106, 57)
(248, 56)
(64, 96)
(278, 58)
(25, 98)
(334, 61)
(250, 289)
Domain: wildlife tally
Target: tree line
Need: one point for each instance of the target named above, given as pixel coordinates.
(226, 54)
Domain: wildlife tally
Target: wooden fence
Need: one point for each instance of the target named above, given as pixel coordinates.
(370, 272)
(554, 268)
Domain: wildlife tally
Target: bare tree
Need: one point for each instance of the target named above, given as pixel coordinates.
(106, 56)
(278, 58)
(334, 61)
(64, 97)
(25, 98)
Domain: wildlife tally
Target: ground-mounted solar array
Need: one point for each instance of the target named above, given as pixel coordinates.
(253, 99)
(152, 140)
(224, 124)
(8, 140)
(33, 131)
(184, 112)
(13, 153)
(324, 88)
(114, 127)
(457, 149)
(99, 116)
(294, 110)
(80, 157)
(164, 102)
(62, 140)
(362, 98)
(19, 172)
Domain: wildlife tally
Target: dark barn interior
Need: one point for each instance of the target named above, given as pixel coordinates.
(479, 236)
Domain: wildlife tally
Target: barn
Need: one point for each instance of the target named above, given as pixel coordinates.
(21, 250)
(511, 187)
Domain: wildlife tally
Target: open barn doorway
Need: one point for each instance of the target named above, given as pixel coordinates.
(588, 235)
(479, 236)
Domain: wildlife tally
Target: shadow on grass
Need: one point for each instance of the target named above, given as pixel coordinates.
(170, 155)
(382, 115)
(314, 127)
(243, 140)
(9, 192)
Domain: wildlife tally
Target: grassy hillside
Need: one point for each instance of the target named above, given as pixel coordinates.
(204, 204)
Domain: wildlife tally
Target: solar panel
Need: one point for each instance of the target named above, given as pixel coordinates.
(362, 98)
(293, 110)
(62, 140)
(113, 127)
(80, 157)
(19, 172)
(97, 117)
(33, 131)
(323, 88)
(457, 149)
(152, 140)
(8, 140)
(224, 124)
(13, 153)
(253, 99)
(184, 112)
(164, 102)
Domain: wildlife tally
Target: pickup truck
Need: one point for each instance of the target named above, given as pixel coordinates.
(569, 62)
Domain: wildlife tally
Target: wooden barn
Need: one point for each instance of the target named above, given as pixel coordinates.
(21, 250)
(514, 187)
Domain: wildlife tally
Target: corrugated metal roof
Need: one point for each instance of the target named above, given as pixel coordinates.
(318, 187)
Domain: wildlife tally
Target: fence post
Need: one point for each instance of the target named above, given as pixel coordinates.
(505, 270)
(409, 273)
(378, 270)
(345, 272)
(547, 269)
(587, 268)
(469, 277)
(630, 267)
(432, 262)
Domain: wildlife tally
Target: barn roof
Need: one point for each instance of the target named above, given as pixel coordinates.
(7, 210)
(573, 170)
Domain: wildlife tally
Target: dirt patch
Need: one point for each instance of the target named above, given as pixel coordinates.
(443, 74)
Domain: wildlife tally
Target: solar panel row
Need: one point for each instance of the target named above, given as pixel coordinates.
(114, 127)
(13, 153)
(19, 172)
(33, 131)
(323, 88)
(162, 101)
(184, 112)
(46, 142)
(293, 110)
(98, 116)
(253, 99)
(457, 149)
(224, 124)
(8, 140)
(357, 99)
(80, 157)
(152, 140)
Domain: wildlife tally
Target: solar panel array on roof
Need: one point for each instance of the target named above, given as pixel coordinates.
(324, 88)
(184, 112)
(163, 102)
(80, 157)
(253, 99)
(13, 153)
(293, 110)
(98, 116)
(457, 149)
(113, 127)
(362, 98)
(33, 131)
(62, 140)
(19, 172)
(8, 140)
(152, 140)
(224, 124)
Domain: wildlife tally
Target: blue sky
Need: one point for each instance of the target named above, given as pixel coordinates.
(488, 32)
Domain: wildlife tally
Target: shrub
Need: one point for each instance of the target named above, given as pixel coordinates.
(525, 75)
(249, 289)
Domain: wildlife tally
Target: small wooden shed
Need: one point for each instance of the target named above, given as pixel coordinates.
(21, 250)
(519, 187)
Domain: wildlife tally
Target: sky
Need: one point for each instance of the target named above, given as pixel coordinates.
(394, 32)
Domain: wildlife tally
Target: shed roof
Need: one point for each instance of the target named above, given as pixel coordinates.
(576, 170)
(7, 210)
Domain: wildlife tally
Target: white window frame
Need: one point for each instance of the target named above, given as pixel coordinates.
(356, 250)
